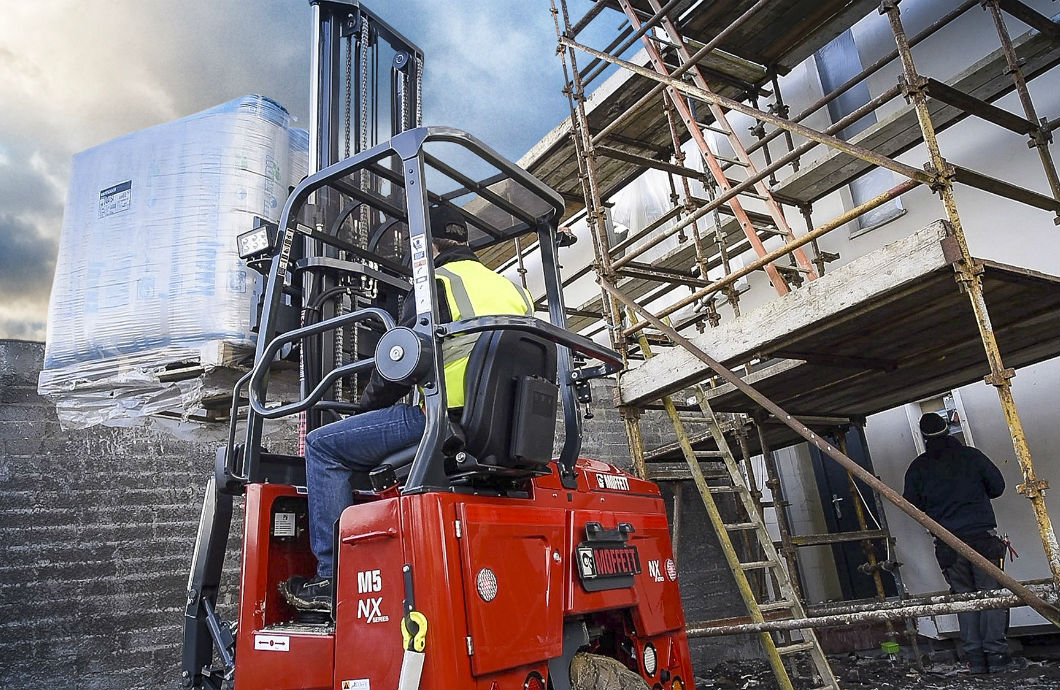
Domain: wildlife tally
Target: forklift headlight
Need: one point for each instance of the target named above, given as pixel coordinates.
(256, 242)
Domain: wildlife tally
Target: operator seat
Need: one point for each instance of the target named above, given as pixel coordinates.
(508, 423)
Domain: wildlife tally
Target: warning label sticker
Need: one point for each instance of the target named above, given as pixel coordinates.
(359, 684)
(419, 278)
(115, 199)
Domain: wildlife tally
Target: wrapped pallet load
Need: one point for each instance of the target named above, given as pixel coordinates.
(150, 294)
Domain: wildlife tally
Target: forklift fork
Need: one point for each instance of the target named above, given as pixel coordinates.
(204, 630)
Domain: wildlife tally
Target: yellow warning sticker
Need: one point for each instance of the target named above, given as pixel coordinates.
(359, 684)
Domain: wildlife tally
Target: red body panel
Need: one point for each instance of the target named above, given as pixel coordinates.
(512, 624)
(277, 659)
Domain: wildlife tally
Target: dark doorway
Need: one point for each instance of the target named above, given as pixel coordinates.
(841, 516)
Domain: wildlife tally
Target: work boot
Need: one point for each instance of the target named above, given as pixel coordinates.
(999, 663)
(314, 594)
(976, 663)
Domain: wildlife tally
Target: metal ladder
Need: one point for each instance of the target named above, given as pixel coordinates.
(770, 562)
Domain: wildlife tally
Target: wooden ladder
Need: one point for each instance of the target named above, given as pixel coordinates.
(753, 525)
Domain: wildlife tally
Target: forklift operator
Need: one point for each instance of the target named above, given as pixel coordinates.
(337, 452)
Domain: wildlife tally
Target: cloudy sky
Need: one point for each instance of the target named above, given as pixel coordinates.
(76, 73)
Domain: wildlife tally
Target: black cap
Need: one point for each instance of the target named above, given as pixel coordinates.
(932, 424)
(447, 224)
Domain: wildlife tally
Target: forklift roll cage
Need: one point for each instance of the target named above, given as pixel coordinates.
(427, 472)
(508, 194)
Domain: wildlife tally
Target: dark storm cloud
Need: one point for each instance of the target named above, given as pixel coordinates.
(27, 260)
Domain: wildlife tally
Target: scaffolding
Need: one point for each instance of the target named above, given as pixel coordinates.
(701, 67)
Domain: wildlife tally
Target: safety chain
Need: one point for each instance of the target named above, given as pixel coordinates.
(405, 81)
(364, 84)
(349, 92)
(419, 91)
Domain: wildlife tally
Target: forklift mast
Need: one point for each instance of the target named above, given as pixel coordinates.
(353, 107)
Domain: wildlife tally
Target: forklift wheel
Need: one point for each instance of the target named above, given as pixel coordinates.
(595, 672)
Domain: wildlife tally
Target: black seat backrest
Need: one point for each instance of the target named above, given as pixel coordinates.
(510, 400)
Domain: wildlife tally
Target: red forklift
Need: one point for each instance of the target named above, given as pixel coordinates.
(473, 559)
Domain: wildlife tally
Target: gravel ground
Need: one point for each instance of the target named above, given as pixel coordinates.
(858, 672)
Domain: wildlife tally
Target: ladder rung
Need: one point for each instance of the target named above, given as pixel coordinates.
(782, 605)
(796, 648)
(730, 161)
(712, 128)
(724, 489)
(734, 526)
(756, 565)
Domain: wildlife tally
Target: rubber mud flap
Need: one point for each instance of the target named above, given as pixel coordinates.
(595, 672)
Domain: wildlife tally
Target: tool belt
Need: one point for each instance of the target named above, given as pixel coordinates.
(987, 544)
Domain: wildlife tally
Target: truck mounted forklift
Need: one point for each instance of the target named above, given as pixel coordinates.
(473, 559)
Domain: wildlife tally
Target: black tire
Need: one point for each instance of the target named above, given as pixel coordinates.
(595, 672)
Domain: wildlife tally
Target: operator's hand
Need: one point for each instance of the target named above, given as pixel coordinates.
(565, 236)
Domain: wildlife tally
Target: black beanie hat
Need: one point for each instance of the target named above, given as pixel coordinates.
(447, 224)
(932, 425)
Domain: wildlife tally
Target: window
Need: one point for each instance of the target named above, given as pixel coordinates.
(837, 63)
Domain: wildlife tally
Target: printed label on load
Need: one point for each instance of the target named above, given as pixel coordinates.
(359, 684)
(272, 643)
(115, 199)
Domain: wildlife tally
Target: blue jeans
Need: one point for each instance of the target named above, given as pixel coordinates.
(336, 452)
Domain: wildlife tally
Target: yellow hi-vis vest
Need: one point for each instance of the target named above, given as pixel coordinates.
(471, 290)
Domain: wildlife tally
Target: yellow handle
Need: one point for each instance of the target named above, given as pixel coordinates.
(414, 631)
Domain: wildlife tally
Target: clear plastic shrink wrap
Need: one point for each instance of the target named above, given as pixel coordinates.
(148, 275)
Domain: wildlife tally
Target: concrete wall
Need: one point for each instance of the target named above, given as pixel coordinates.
(96, 532)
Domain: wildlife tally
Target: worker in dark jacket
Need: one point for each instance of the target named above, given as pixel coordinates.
(336, 453)
(954, 484)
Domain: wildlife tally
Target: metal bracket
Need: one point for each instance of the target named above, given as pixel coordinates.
(888, 5)
(941, 179)
(575, 636)
(999, 378)
(907, 89)
(1033, 489)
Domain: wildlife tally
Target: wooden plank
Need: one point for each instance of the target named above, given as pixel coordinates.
(986, 80)
(846, 288)
(783, 33)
